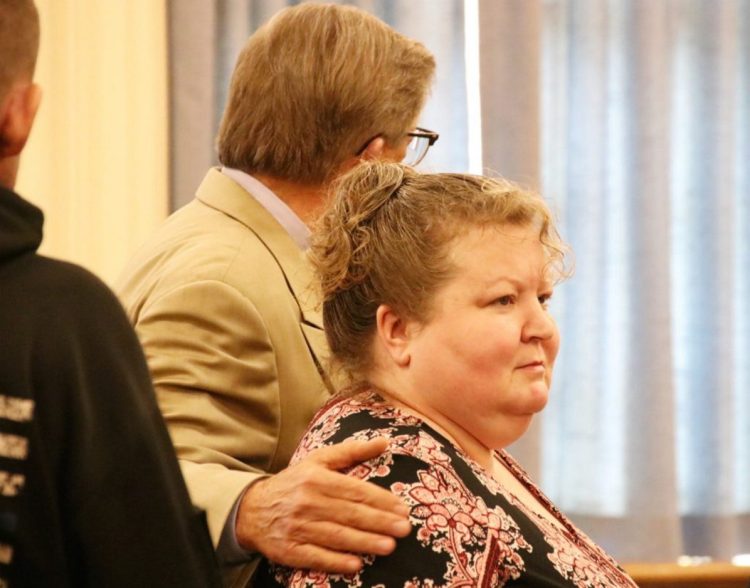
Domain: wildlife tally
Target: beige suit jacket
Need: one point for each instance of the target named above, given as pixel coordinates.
(222, 302)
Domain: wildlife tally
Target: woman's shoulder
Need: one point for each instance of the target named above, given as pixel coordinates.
(363, 414)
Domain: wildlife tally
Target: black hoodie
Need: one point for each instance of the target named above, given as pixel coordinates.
(90, 490)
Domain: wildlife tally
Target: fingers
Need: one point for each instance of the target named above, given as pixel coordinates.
(289, 537)
(348, 453)
(310, 530)
(341, 525)
(360, 496)
(336, 485)
(307, 542)
(307, 556)
(311, 517)
(335, 537)
(349, 539)
(314, 494)
(354, 504)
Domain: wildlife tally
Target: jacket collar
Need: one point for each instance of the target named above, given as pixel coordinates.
(224, 194)
(20, 225)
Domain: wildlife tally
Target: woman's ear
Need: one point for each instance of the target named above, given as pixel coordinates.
(394, 333)
(17, 113)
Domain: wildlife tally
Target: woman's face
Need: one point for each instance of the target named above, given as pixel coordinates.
(482, 365)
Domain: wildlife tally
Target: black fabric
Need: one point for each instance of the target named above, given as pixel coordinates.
(101, 501)
(20, 226)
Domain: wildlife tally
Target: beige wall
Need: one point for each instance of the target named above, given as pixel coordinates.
(97, 159)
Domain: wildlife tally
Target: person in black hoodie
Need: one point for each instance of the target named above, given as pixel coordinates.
(90, 490)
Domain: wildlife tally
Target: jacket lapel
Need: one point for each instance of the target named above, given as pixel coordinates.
(224, 194)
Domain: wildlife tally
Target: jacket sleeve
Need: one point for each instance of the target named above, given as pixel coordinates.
(214, 370)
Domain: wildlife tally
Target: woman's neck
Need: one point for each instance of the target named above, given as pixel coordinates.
(462, 439)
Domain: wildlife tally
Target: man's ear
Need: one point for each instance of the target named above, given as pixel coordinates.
(17, 114)
(374, 149)
(394, 333)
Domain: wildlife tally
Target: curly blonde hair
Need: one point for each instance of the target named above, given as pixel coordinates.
(386, 239)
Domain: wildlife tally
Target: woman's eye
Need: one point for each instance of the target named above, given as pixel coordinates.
(544, 299)
(505, 300)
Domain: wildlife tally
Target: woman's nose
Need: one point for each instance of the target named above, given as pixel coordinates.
(539, 323)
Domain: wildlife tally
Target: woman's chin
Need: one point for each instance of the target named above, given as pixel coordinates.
(538, 397)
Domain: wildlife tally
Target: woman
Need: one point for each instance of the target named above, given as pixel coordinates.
(435, 292)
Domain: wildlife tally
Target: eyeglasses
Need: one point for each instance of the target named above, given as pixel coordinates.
(421, 141)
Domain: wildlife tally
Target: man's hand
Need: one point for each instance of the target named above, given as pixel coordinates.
(309, 515)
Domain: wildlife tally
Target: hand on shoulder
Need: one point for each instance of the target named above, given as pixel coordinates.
(312, 516)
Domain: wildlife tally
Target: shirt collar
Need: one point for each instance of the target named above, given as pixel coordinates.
(276, 207)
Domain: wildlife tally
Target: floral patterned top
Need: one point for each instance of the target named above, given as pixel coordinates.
(468, 530)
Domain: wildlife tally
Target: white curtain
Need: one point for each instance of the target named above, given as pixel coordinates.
(645, 129)
(633, 117)
(97, 159)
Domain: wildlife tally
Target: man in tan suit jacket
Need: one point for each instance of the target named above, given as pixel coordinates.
(223, 303)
